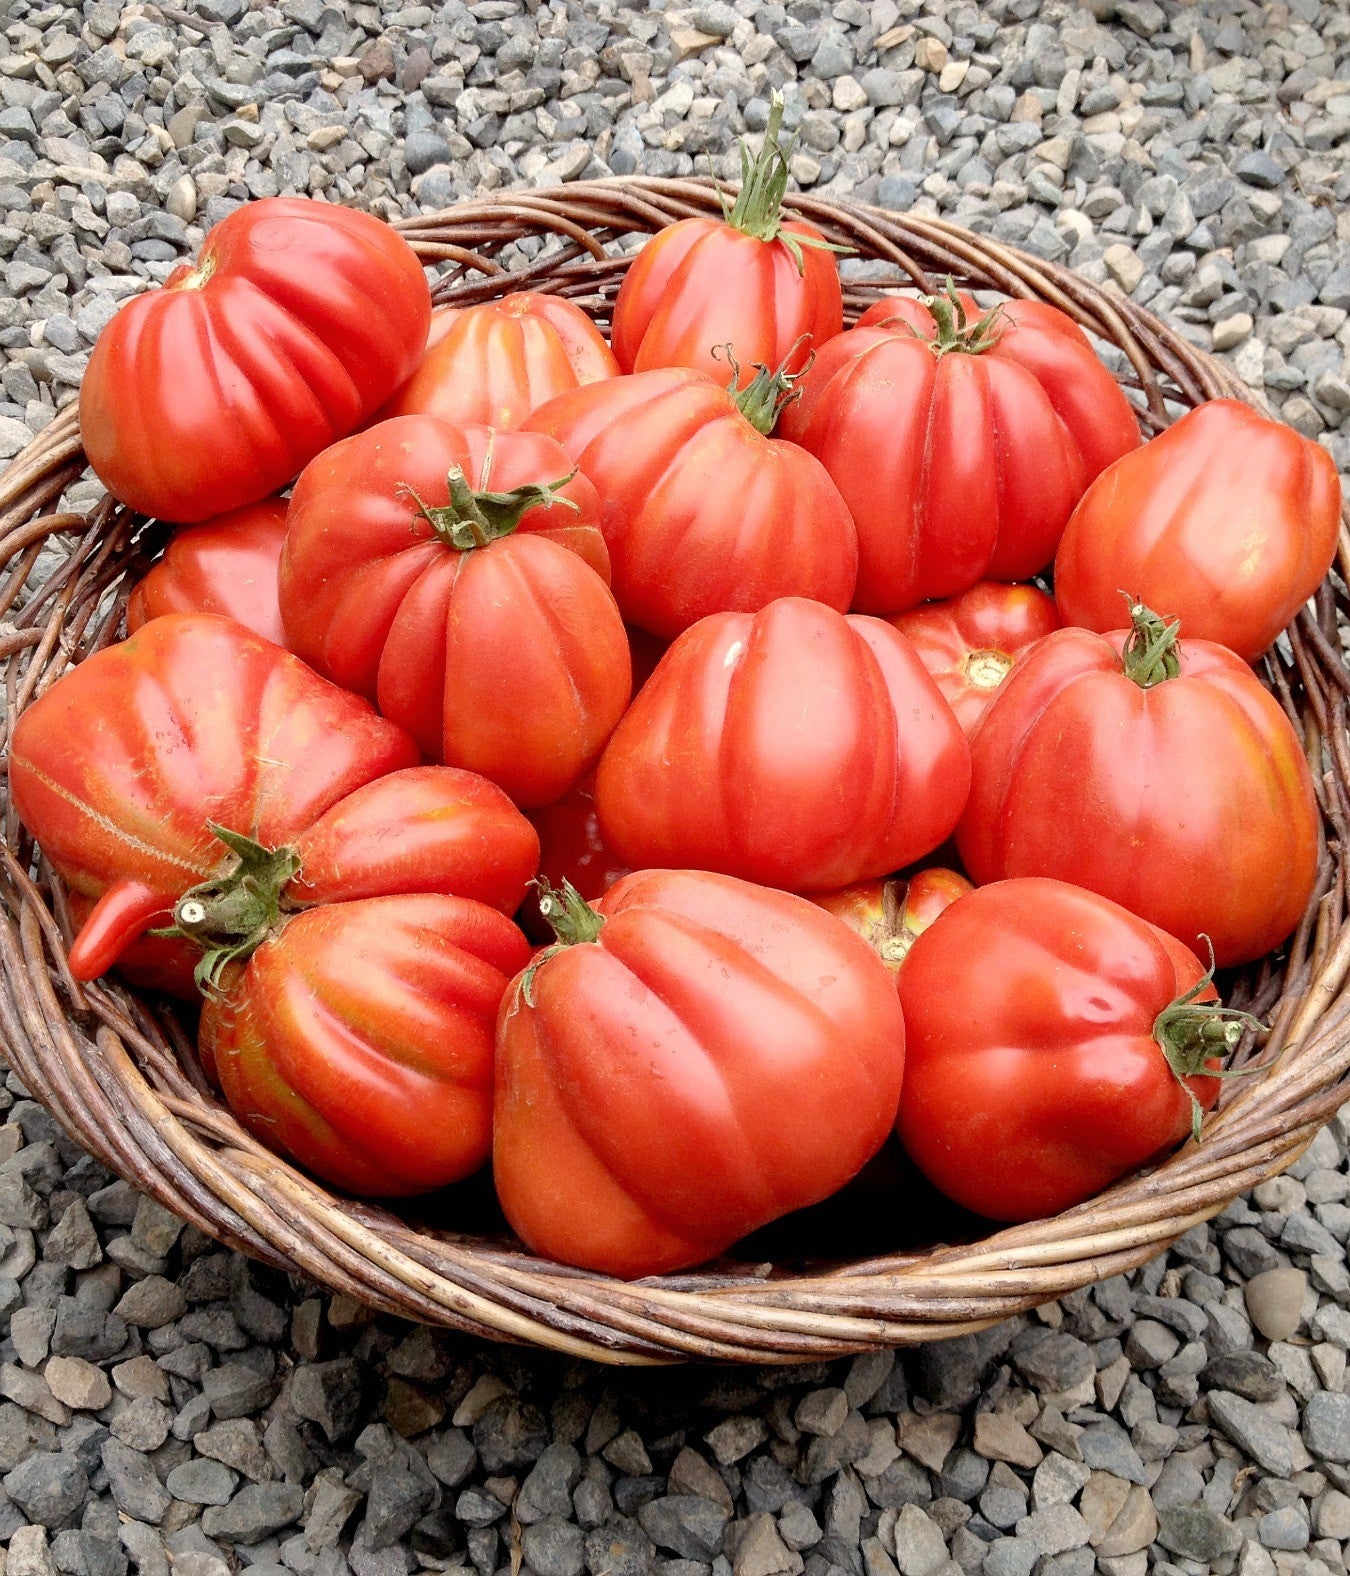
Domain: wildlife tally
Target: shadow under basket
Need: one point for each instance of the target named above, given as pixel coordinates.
(117, 1068)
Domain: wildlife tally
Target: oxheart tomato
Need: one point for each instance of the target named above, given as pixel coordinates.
(296, 323)
(703, 512)
(1054, 1042)
(960, 446)
(226, 566)
(970, 642)
(358, 1038)
(890, 915)
(793, 746)
(490, 365)
(699, 1057)
(1227, 519)
(1160, 775)
(125, 767)
(477, 619)
(769, 289)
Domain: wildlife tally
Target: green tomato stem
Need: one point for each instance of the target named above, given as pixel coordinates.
(1150, 656)
(230, 916)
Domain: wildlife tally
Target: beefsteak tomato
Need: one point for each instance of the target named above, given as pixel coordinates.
(702, 510)
(1159, 774)
(477, 619)
(960, 446)
(970, 642)
(695, 1058)
(794, 747)
(1227, 519)
(298, 320)
(1054, 1042)
(491, 365)
(890, 915)
(766, 287)
(358, 1037)
(226, 566)
(122, 769)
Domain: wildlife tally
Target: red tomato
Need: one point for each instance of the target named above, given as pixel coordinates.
(793, 747)
(357, 1038)
(702, 512)
(1054, 1042)
(960, 447)
(226, 566)
(1162, 776)
(889, 915)
(706, 1056)
(299, 319)
(492, 364)
(768, 289)
(571, 846)
(970, 642)
(1228, 520)
(479, 621)
(124, 766)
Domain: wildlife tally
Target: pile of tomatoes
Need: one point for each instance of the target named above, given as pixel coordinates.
(530, 782)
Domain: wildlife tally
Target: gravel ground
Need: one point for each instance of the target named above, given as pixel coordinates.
(166, 1404)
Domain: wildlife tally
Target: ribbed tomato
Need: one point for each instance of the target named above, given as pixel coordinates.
(793, 747)
(697, 1057)
(1054, 1042)
(702, 510)
(226, 566)
(960, 446)
(765, 287)
(296, 323)
(491, 365)
(1227, 519)
(475, 618)
(1161, 775)
(890, 915)
(970, 642)
(125, 767)
(358, 1038)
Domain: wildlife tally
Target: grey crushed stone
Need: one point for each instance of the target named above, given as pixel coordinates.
(1195, 155)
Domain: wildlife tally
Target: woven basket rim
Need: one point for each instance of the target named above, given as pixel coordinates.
(118, 1074)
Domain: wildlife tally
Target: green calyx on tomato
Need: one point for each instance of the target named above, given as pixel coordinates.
(955, 331)
(763, 400)
(757, 210)
(231, 915)
(573, 921)
(1150, 655)
(473, 519)
(1193, 1033)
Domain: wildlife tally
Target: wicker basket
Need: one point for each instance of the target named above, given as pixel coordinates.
(119, 1072)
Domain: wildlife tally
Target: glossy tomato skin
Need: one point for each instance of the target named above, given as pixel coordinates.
(1190, 802)
(890, 915)
(510, 659)
(491, 365)
(226, 566)
(793, 747)
(118, 769)
(299, 319)
(702, 513)
(720, 1055)
(1227, 520)
(358, 1039)
(970, 642)
(1032, 1076)
(962, 466)
(700, 285)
